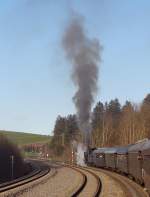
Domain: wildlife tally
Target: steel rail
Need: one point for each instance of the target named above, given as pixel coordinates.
(85, 180)
(99, 183)
(36, 174)
(129, 187)
(83, 184)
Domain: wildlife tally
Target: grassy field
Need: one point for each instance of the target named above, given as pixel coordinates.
(25, 138)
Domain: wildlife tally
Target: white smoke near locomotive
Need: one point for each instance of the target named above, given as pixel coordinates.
(81, 149)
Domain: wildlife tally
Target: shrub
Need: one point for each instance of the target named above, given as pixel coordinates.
(7, 150)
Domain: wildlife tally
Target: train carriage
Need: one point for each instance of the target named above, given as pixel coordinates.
(122, 159)
(99, 157)
(111, 157)
(136, 161)
(145, 157)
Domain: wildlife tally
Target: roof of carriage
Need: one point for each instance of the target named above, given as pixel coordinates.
(100, 150)
(124, 149)
(140, 145)
(111, 150)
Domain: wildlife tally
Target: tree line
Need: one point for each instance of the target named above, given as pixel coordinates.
(65, 131)
(112, 124)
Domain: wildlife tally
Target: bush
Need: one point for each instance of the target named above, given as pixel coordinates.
(7, 150)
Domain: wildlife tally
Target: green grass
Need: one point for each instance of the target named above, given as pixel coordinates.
(30, 154)
(20, 138)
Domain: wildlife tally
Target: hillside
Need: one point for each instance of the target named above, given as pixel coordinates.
(25, 138)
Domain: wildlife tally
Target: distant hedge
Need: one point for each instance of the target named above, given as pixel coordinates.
(7, 150)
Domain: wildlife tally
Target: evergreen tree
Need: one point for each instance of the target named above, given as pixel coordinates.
(114, 114)
(97, 116)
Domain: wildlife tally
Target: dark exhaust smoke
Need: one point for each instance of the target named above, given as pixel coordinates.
(84, 56)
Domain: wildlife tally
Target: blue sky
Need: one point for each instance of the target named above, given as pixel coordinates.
(35, 83)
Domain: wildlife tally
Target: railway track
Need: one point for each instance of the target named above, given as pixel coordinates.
(41, 169)
(90, 185)
(130, 188)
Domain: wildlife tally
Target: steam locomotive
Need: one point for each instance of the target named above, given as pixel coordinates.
(132, 160)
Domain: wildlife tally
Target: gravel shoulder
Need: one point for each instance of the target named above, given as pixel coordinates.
(63, 181)
(62, 184)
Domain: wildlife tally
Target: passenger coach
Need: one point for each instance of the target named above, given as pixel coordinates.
(99, 157)
(111, 158)
(122, 159)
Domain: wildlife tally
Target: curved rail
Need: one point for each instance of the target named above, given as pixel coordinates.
(129, 187)
(99, 183)
(85, 180)
(40, 171)
(36, 170)
(83, 184)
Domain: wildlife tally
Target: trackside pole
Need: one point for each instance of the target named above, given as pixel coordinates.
(12, 166)
(72, 159)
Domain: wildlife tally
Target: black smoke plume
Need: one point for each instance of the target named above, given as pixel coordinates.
(84, 56)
